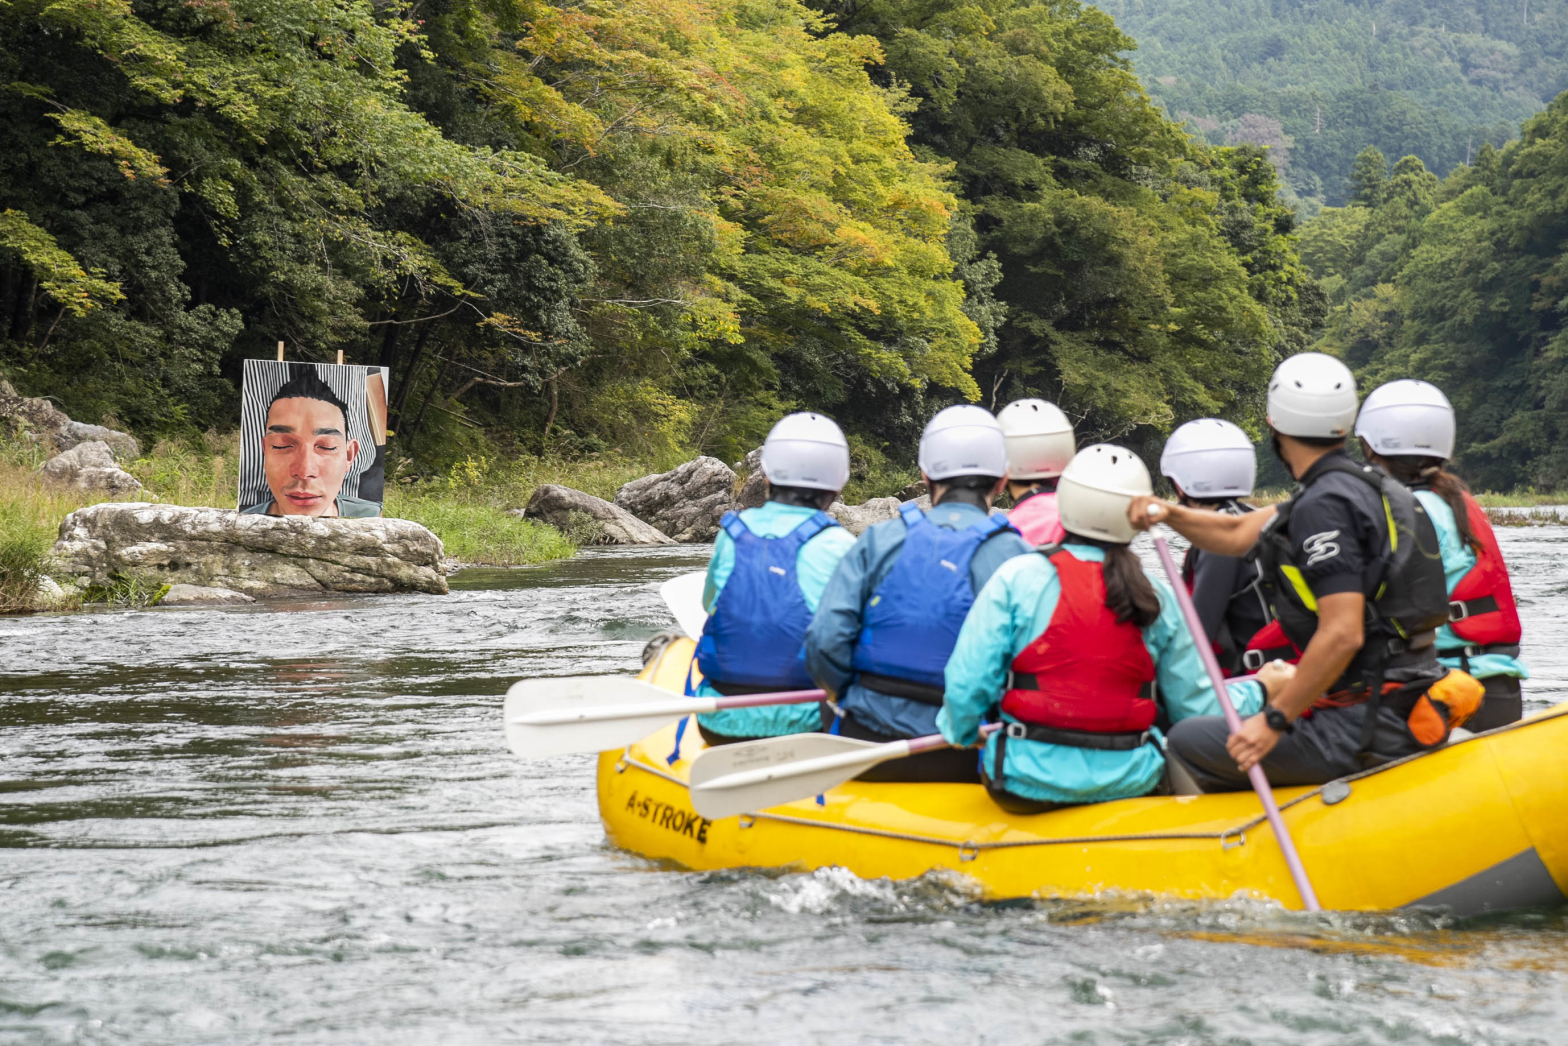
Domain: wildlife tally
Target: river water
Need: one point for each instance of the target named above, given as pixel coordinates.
(299, 822)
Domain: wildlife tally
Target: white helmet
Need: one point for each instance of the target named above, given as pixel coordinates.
(806, 450)
(1312, 395)
(963, 441)
(1095, 489)
(1408, 417)
(1039, 439)
(1210, 458)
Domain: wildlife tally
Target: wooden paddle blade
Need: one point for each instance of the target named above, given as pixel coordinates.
(754, 775)
(568, 693)
(683, 595)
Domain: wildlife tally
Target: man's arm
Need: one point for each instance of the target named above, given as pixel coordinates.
(1216, 532)
(1336, 642)
(835, 627)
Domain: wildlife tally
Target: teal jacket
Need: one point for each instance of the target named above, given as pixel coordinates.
(1014, 609)
(1458, 558)
(814, 565)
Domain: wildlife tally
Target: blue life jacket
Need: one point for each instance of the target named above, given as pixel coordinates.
(755, 639)
(911, 622)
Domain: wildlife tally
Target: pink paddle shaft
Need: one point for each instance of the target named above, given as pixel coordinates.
(783, 697)
(934, 741)
(1260, 782)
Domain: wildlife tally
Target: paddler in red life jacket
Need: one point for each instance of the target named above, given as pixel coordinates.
(1212, 465)
(1039, 445)
(1352, 572)
(1407, 429)
(1083, 651)
(768, 569)
(889, 617)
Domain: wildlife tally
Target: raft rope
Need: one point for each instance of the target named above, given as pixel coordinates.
(968, 849)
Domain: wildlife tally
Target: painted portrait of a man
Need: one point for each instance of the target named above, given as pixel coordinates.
(314, 450)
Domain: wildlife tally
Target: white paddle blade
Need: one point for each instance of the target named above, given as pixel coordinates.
(547, 717)
(754, 775)
(683, 595)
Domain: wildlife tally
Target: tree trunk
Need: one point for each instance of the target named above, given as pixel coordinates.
(407, 384)
(419, 419)
(389, 347)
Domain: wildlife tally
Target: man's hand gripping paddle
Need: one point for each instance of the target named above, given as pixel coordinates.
(598, 713)
(1260, 782)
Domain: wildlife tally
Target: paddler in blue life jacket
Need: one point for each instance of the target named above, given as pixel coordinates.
(1083, 651)
(769, 567)
(892, 612)
(1407, 429)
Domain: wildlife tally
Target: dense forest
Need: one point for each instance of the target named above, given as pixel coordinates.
(640, 226)
(1320, 81)
(1462, 281)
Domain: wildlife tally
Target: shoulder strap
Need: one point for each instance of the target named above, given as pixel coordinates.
(911, 513)
(813, 525)
(994, 524)
(1366, 473)
(734, 526)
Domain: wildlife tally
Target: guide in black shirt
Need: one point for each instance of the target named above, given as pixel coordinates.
(1359, 597)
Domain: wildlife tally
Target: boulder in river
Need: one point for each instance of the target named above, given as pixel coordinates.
(556, 505)
(685, 503)
(256, 555)
(856, 518)
(203, 596)
(754, 491)
(43, 421)
(91, 467)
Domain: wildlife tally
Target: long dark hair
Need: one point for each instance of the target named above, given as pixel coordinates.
(1433, 474)
(1128, 593)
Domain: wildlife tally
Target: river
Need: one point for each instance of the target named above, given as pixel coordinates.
(298, 822)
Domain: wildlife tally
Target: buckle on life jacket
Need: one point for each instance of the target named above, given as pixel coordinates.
(1459, 609)
(1125, 742)
(1253, 660)
(1477, 649)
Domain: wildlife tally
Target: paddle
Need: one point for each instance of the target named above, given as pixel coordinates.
(754, 775)
(597, 713)
(683, 595)
(1260, 781)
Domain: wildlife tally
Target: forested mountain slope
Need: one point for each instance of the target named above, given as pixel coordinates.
(649, 225)
(1464, 282)
(1322, 79)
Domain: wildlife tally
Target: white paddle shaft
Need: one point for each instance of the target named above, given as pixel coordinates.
(843, 760)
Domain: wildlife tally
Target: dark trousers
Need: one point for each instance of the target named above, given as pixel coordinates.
(1502, 705)
(1317, 750)
(951, 765)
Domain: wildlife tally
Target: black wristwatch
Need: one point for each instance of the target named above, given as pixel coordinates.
(1276, 719)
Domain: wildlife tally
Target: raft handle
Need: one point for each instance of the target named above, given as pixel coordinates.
(968, 851)
(1240, 836)
(747, 820)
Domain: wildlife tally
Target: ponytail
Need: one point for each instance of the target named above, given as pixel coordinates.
(1433, 474)
(1128, 593)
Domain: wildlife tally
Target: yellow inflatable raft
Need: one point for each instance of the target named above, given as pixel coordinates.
(1478, 825)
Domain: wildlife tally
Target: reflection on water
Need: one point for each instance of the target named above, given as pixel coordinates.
(299, 821)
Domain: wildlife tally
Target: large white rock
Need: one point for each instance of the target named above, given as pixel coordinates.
(684, 503)
(554, 504)
(856, 518)
(256, 555)
(90, 466)
(203, 596)
(43, 421)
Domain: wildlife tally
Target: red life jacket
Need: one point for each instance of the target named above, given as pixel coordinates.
(1481, 607)
(1269, 644)
(1093, 671)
